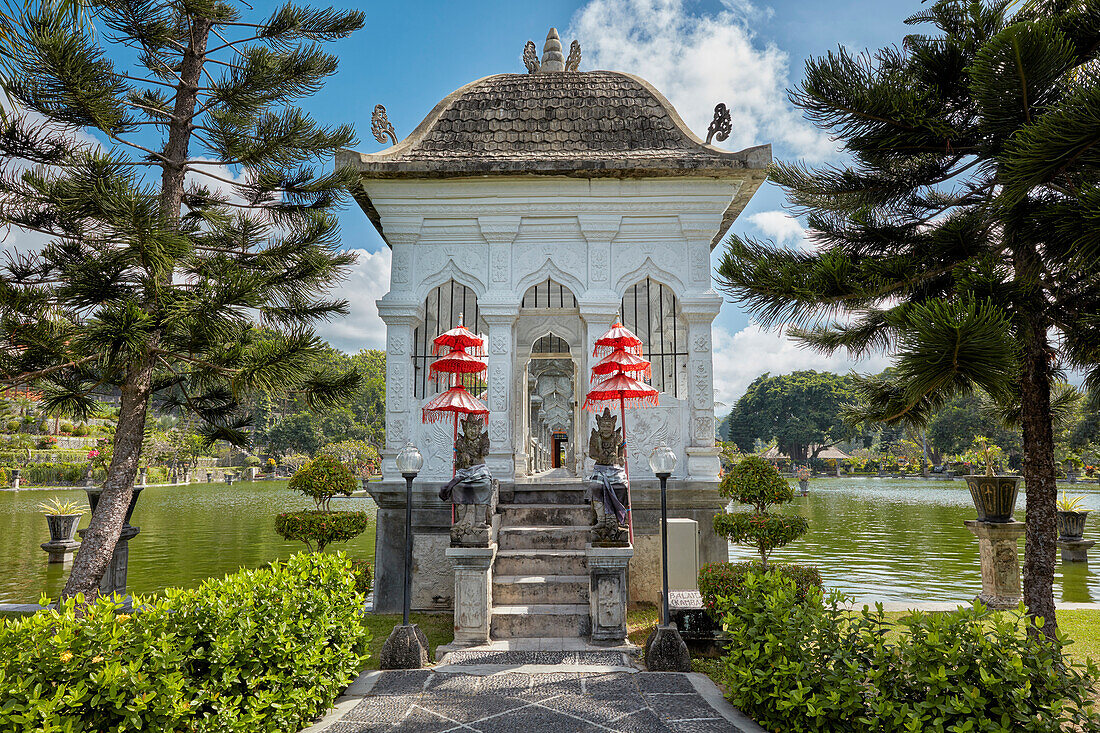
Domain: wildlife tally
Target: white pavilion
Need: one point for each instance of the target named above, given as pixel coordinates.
(540, 208)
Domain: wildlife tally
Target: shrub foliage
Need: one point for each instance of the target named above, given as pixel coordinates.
(323, 478)
(260, 650)
(816, 665)
(720, 581)
(756, 482)
(319, 529)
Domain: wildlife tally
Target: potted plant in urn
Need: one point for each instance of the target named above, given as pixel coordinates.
(803, 474)
(1071, 518)
(62, 517)
(994, 496)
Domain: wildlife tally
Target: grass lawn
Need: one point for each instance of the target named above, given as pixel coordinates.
(438, 627)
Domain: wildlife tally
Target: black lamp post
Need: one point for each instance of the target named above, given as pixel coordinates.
(665, 651)
(406, 647)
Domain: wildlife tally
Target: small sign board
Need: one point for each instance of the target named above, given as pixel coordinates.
(685, 599)
(561, 436)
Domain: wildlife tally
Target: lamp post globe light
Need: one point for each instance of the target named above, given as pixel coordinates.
(665, 651)
(406, 647)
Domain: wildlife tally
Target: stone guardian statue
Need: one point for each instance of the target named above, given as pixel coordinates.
(607, 488)
(471, 490)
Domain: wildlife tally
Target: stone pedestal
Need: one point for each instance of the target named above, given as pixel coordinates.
(665, 651)
(406, 648)
(473, 593)
(1072, 550)
(62, 550)
(114, 578)
(15, 478)
(997, 544)
(607, 592)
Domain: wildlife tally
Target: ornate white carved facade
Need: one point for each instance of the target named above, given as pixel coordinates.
(596, 238)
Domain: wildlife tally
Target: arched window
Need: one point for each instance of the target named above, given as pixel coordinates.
(550, 344)
(652, 311)
(548, 294)
(443, 308)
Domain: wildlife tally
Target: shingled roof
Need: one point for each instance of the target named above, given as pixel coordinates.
(588, 124)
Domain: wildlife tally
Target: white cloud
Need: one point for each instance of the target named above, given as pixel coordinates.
(741, 357)
(699, 60)
(780, 226)
(367, 281)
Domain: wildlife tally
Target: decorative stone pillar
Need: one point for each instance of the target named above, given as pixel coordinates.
(401, 319)
(15, 478)
(473, 593)
(607, 591)
(999, 552)
(1075, 550)
(143, 477)
(702, 455)
(501, 459)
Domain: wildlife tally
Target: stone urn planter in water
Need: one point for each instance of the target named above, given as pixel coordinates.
(63, 526)
(1071, 518)
(62, 519)
(994, 496)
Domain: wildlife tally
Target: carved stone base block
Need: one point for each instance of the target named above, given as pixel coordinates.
(665, 651)
(406, 648)
(1072, 550)
(61, 551)
(473, 593)
(607, 591)
(999, 551)
(114, 578)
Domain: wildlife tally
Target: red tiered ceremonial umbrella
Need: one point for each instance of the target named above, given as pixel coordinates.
(621, 349)
(455, 401)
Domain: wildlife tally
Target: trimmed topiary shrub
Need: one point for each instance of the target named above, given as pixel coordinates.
(719, 581)
(262, 650)
(816, 665)
(319, 529)
(323, 478)
(756, 482)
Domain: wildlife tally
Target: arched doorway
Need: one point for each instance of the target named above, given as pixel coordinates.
(551, 395)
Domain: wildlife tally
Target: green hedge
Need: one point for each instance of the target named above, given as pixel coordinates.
(719, 581)
(64, 455)
(261, 650)
(320, 528)
(815, 665)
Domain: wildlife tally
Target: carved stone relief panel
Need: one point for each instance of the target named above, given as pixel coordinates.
(648, 426)
(399, 266)
(702, 396)
(599, 264)
(498, 344)
(395, 432)
(701, 342)
(703, 429)
(498, 388)
(498, 430)
(396, 386)
(396, 345)
(438, 440)
(700, 265)
(500, 262)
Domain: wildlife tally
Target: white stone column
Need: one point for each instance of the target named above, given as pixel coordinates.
(500, 321)
(401, 319)
(702, 455)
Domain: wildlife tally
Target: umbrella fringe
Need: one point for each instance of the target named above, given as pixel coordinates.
(647, 374)
(593, 404)
(602, 350)
(430, 415)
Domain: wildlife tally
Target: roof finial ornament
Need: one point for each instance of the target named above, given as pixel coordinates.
(552, 57)
(531, 58)
(380, 125)
(721, 126)
(574, 59)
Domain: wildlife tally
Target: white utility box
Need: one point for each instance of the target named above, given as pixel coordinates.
(683, 554)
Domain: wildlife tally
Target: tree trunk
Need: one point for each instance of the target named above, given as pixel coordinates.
(177, 148)
(106, 524)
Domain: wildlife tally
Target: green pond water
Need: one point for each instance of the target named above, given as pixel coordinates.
(188, 533)
(878, 539)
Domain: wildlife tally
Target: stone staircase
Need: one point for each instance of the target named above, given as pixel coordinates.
(540, 575)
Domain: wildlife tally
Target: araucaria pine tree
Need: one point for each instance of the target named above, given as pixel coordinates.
(189, 232)
(963, 231)
(756, 482)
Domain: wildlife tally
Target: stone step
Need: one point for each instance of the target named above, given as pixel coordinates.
(528, 515)
(540, 620)
(540, 562)
(567, 494)
(527, 589)
(543, 538)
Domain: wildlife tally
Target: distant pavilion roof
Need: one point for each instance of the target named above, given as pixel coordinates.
(828, 452)
(586, 124)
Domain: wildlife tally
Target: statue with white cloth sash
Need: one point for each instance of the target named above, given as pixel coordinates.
(607, 487)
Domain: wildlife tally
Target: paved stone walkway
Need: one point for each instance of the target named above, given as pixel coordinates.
(527, 693)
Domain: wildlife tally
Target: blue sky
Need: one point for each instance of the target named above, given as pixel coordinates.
(744, 53)
(410, 55)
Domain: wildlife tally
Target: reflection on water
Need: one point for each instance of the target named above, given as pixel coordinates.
(187, 533)
(904, 540)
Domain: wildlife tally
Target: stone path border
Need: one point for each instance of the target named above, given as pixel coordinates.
(472, 698)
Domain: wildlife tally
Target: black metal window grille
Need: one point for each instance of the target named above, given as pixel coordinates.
(549, 295)
(550, 344)
(651, 310)
(442, 309)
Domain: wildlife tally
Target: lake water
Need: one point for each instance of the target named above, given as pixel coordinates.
(878, 539)
(187, 533)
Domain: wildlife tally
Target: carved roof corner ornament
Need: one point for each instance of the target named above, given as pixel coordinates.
(721, 126)
(531, 58)
(574, 59)
(380, 125)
